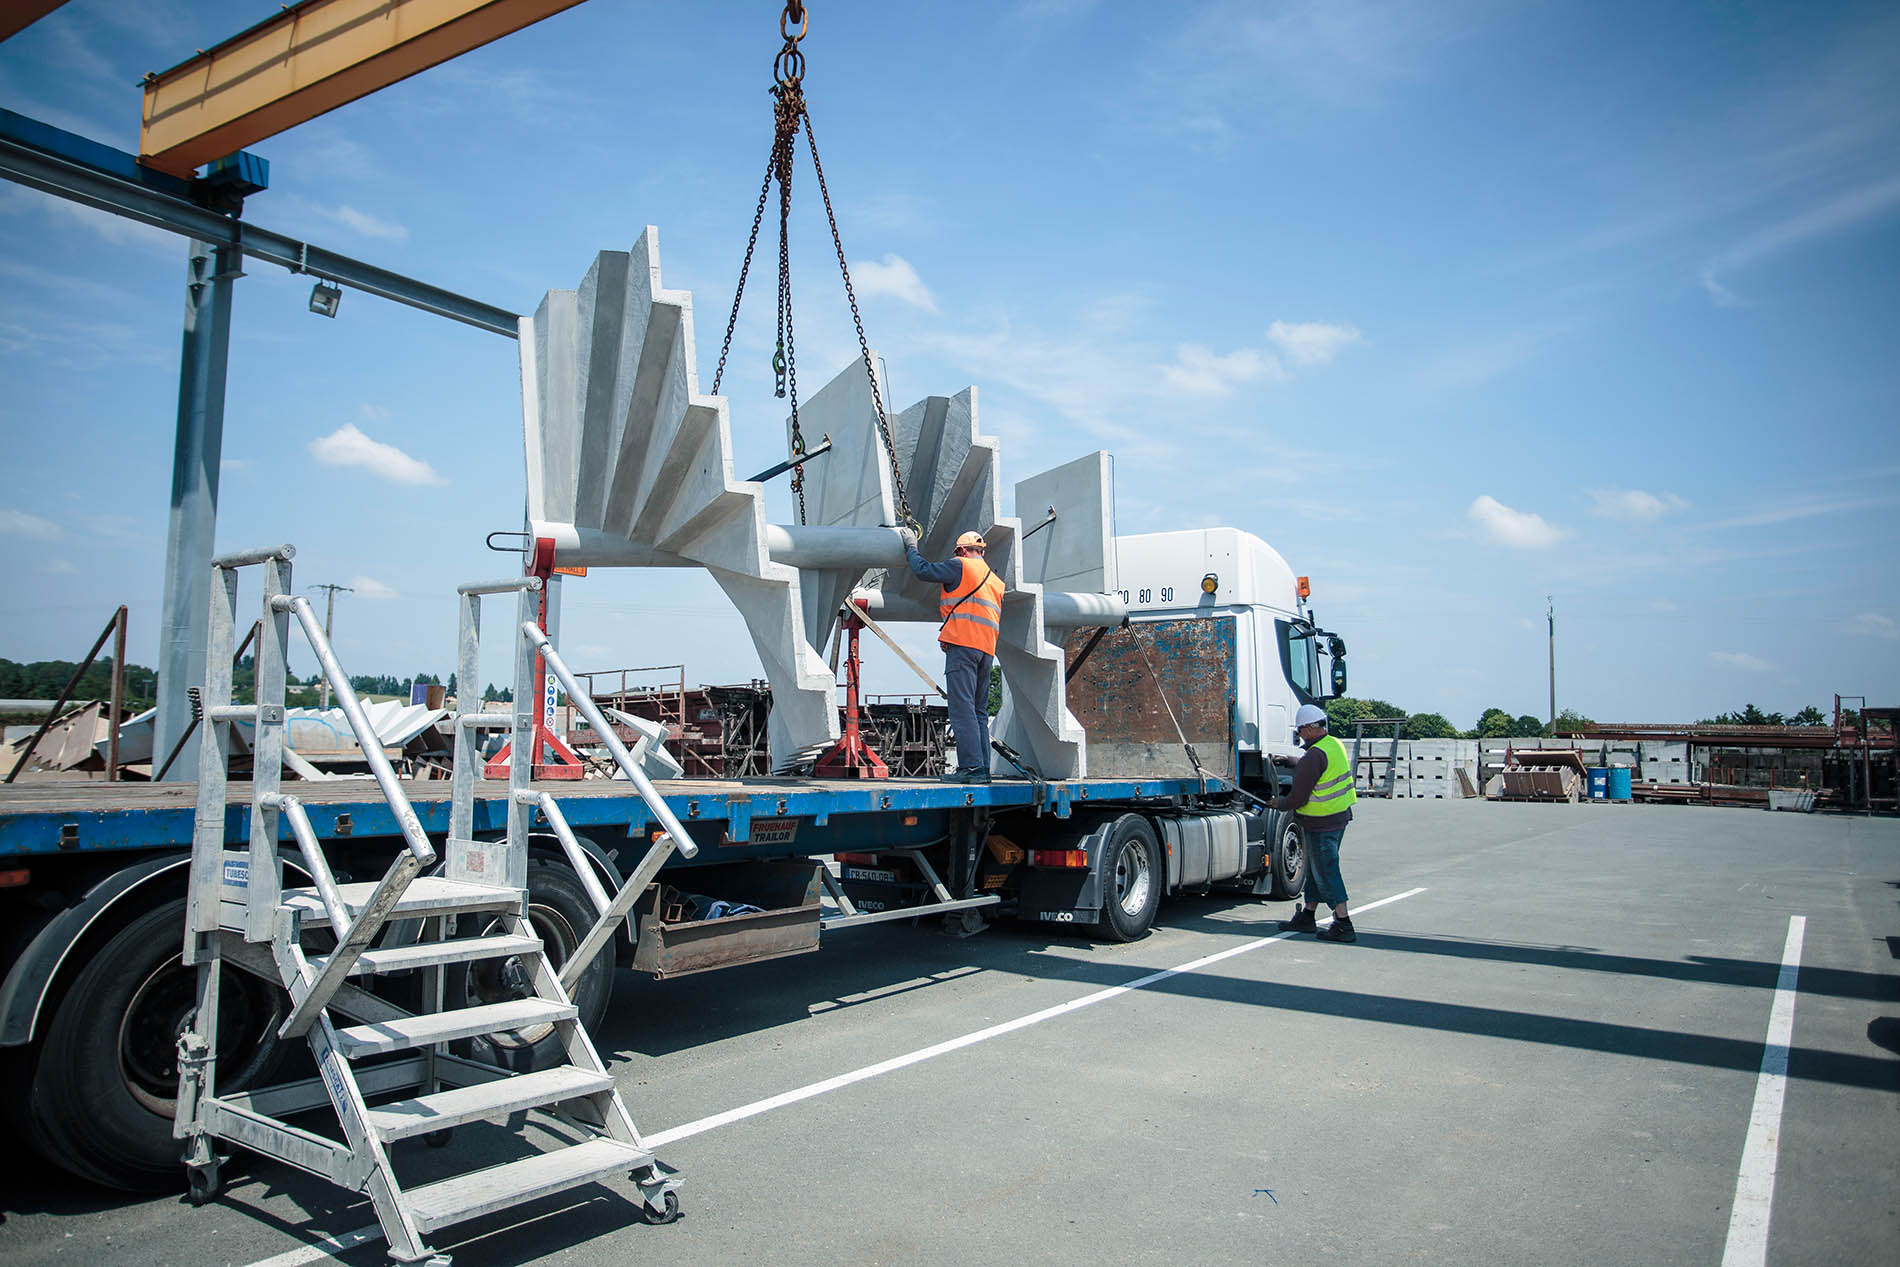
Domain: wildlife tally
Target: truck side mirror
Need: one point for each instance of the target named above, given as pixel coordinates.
(1339, 676)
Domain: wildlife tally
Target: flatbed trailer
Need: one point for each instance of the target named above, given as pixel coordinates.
(93, 990)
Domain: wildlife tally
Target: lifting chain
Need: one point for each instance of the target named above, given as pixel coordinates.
(788, 114)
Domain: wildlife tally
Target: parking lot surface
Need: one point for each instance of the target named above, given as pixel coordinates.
(1548, 1046)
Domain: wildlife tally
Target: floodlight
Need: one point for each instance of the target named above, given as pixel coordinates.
(324, 297)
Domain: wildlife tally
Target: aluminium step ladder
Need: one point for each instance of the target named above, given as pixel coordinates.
(386, 1073)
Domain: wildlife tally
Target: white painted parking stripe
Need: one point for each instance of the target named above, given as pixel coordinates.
(704, 1124)
(1755, 1183)
(349, 1240)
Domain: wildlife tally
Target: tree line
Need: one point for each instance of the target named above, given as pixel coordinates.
(1343, 713)
(43, 679)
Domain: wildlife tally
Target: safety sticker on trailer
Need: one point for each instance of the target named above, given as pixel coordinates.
(237, 872)
(774, 831)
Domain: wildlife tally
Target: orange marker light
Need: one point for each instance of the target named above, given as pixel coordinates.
(1306, 587)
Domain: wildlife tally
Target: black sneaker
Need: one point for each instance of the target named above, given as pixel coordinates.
(1341, 930)
(1302, 922)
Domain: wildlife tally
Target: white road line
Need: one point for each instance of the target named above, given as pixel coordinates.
(704, 1124)
(1755, 1183)
(349, 1240)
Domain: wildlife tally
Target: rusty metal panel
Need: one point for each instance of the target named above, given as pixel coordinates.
(1120, 703)
(672, 945)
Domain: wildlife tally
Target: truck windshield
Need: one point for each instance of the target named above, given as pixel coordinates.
(1297, 659)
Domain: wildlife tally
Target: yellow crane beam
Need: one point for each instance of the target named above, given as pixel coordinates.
(17, 15)
(307, 60)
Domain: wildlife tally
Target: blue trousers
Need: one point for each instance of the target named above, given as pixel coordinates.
(1324, 885)
(966, 676)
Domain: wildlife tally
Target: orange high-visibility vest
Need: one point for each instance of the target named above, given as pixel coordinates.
(972, 611)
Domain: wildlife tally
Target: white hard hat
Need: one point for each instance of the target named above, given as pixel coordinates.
(1309, 714)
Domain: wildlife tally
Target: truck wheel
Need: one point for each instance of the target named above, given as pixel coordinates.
(106, 1085)
(1289, 860)
(1132, 879)
(560, 915)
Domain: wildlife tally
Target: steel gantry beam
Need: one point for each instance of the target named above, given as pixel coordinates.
(72, 167)
(307, 60)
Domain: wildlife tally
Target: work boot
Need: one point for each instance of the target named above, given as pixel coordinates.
(1302, 922)
(1340, 931)
(979, 774)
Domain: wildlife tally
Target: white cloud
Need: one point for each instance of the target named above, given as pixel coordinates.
(893, 276)
(1742, 660)
(1310, 342)
(1810, 508)
(17, 523)
(1200, 372)
(1633, 504)
(348, 446)
(1874, 625)
(1662, 605)
(1843, 212)
(1519, 529)
(369, 587)
(60, 567)
(371, 226)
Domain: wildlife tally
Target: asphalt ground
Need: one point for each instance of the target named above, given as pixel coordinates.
(1547, 1049)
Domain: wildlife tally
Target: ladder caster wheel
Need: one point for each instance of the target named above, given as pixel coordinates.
(201, 1184)
(439, 1139)
(668, 1212)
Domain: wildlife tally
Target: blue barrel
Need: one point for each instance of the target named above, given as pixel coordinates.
(1599, 782)
(1619, 782)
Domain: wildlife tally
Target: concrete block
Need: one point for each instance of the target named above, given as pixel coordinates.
(1076, 552)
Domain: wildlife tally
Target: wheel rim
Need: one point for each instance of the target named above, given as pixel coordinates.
(488, 980)
(1290, 851)
(157, 1014)
(1134, 877)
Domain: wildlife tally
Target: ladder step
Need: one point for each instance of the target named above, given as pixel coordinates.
(428, 954)
(443, 1109)
(482, 1192)
(426, 896)
(442, 1027)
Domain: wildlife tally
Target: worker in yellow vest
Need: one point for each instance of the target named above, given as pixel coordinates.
(1321, 797)
(972, 612)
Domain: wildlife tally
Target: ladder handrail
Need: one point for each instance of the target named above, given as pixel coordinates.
(622, 758)
(414, 837)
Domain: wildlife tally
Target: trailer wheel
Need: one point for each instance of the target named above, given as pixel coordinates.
(1132, 879)
(106, 1085)
(1289, 860)
(560, 915)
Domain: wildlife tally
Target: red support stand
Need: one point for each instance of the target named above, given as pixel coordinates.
(851, 757)
(562, 762)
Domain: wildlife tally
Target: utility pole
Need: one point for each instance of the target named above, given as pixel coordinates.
(329, 614)
(1550, 615)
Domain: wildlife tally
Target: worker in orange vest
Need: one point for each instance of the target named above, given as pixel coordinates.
(972, 612)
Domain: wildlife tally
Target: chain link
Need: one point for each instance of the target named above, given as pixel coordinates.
(788, 113)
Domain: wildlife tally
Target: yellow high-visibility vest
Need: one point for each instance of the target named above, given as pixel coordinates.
(1334, 791)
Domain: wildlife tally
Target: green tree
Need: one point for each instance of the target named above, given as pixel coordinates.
(1570, 720)
(1344, 710)
(492, 693)
(1809, 716)
(1493, 723)
(995, 705)
(1525, 727)
(1429, 726)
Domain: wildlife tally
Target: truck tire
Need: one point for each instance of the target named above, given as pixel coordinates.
(1132, 879)
(106, 1082)
(1289, 859)
(561, 915)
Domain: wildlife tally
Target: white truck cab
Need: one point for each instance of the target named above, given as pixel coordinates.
(1279, 653)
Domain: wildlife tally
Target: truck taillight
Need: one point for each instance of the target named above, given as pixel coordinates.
(857, 859)
(1058, 857)
(14, 879)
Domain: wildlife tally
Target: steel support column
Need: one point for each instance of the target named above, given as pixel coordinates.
(196, 452)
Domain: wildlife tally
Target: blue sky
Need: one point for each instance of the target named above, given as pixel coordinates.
(1459, 304)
